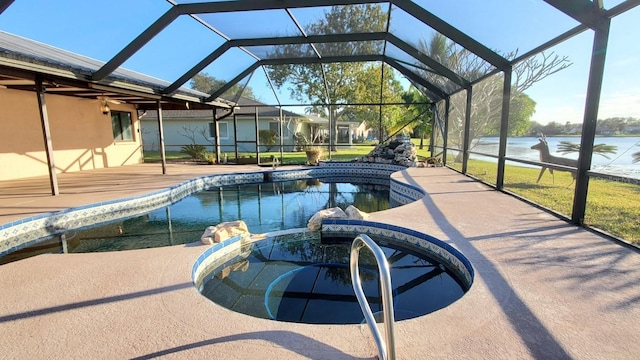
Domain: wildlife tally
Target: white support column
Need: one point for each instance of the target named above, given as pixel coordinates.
(46, 134)
(161, 134)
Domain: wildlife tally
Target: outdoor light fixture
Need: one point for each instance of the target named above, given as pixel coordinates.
(104, 107)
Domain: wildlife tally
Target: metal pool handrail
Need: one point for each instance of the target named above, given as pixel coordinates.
(386, 349)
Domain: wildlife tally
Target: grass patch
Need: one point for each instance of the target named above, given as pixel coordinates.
(290, 158)
(612, 206)
(154, 156)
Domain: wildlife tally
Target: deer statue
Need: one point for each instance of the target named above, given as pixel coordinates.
(546, 157)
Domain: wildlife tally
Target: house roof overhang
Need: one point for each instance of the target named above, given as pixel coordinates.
(21, 70)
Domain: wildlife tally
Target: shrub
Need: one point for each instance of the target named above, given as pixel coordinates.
(210, 158)
(268, 138)
(195, 151)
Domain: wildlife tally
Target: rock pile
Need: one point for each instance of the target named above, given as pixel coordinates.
(398, 152)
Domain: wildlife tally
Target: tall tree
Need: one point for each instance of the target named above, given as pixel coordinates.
(487, 95)
(521, 109)
(209, 84)
(346, 82)
(366, 89)
(418, 114)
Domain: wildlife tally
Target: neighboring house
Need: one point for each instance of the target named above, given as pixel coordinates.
(363, 133)
(632, 130)
(238, 130)
(319, 128)
(185, 127)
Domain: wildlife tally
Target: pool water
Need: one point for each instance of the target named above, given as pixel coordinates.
(265, 207)
(308, 280)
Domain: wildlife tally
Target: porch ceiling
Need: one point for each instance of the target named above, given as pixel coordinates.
(270, 27)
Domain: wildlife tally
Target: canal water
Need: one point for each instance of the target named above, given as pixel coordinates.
(620, 163)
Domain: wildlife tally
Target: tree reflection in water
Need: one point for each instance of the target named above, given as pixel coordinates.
(298, 278)
(264, 207)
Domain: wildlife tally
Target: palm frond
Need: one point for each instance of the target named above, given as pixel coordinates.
(567, 147)
(602, 149)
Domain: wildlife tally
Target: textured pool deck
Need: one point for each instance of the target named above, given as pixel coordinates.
(544, 289)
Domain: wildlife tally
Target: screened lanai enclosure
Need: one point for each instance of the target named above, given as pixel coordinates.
(490, 83)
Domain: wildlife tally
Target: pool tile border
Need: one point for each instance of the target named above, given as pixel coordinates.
(444, 252)
(440, 250)
(25, 232)
(28, 231)
(233, 247)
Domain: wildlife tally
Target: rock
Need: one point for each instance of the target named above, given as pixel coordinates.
(224, 231)
(315, 223)
(351, 212)
(207, 237)
(355, 213)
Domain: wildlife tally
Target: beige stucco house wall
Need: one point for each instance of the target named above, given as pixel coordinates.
(81, 135)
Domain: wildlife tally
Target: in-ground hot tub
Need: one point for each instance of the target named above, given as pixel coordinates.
(303, 276)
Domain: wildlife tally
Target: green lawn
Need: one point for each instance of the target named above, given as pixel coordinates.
(289, 158)
(611, 206)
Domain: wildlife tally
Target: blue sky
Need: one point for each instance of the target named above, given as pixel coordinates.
(99, 29)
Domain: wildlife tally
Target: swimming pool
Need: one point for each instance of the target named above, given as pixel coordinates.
(304, 278)
(265, 207)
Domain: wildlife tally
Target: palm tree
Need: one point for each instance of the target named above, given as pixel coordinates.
(566, 147)
(418, 115)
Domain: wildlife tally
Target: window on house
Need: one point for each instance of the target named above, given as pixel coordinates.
(122, 126)
(275, 126)
(223, 130)
(343, 134)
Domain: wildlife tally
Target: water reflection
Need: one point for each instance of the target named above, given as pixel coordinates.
(264, 207)
(307, 280)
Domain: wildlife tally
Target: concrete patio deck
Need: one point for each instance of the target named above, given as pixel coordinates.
(543, 289)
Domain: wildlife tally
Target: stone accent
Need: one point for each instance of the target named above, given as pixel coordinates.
(399, 152)
(355, 213)
(224, 231)
(352, 212)
(315, 223)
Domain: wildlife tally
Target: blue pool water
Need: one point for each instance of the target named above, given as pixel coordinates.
(264, 207)
(307, 280)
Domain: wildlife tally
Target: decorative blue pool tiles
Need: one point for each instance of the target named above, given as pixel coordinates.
(224, 251)
(402, 193)
(338, 169)
(444, 252)
(23, 232)
(232, 245)
(360, 165)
